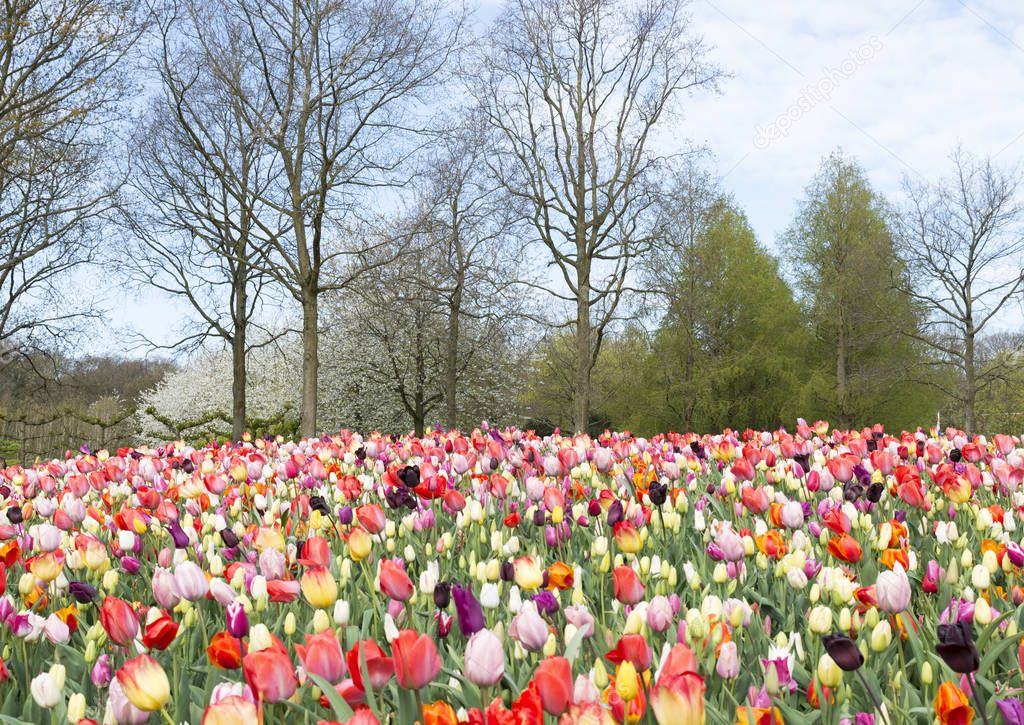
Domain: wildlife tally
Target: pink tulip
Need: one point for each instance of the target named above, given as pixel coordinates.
(728, 665)
(892, 590)
(484, 659)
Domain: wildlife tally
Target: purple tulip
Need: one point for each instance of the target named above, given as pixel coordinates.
(468, 610)
(178, 535)
(101, 673)
(238, 621)
(546, 602)
(82, 592)
(1012, 711)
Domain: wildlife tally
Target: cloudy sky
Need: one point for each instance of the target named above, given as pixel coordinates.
(895, 83)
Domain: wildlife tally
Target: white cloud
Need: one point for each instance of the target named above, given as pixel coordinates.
(940, 73)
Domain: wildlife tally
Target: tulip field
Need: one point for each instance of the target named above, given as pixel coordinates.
(499, 577)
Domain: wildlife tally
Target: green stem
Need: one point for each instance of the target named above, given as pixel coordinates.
(874, 699)
(977, 700)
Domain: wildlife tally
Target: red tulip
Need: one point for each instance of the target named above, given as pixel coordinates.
(270, 674)
(755, 499)
(416, 660)
(628, 588)
(372, 517)
(554, 681)
(316, 553)
(743, 470)
(633, 648)
(378, 666)
(841, 468)
(283, 591)
(119, 621)
(322, 656)
(160, 632)
(394, 582)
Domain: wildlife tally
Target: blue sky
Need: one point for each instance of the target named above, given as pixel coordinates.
(894, 83)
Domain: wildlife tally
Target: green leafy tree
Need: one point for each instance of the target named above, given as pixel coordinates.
(841, 249)
(729, 348)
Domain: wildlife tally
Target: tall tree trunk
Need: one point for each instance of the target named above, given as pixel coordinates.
(451, 364)
(238, 344)
(970, 377)
(310, 362)
(581, 393)
(238, 373)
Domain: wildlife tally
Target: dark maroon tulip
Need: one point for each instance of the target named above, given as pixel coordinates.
(956, 647)
(842, 649)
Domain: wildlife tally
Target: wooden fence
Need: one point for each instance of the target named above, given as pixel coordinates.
(24, 438)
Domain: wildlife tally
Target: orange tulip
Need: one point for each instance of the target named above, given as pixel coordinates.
(224, 651)
(759, 716)
(951, 706)
(560, 576)
(439, 713)
(845, 548)
(891, 556)
(772, 545)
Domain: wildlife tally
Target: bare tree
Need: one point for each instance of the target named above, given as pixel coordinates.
(398, 341)
(466, 224)
(341, 83)
(57, 86)
(199, 176)
(576, 90)
(964, 243)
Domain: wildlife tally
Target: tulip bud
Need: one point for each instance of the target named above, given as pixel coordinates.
(881, 636)
(626, 681)
(110, 580)
(259, 638)
(980, 577)
(341, 612)
(76, 708)
(820, 620)
(982, 612)
(829, 673)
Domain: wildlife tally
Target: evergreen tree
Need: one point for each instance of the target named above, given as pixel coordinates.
(729, 349)
(841, 249)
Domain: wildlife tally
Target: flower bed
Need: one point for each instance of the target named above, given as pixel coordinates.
(501, 577)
